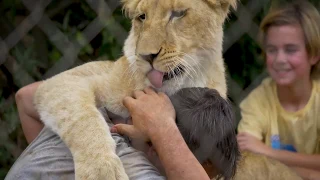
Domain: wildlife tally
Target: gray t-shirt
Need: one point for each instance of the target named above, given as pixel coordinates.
(48, 158)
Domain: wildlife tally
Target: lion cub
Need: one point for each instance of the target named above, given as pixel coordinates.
(172, 44)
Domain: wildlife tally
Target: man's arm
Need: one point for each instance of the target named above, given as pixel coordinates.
(175, 156)
(29, 118)
(153, 116)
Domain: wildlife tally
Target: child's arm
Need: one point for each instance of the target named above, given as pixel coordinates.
(30, 120)
(307, 174)
(293, 159)
(296, 159)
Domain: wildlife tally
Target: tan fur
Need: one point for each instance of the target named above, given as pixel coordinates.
(258, 167)
(68, 102)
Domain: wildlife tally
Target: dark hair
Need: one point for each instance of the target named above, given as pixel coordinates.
(207, 124)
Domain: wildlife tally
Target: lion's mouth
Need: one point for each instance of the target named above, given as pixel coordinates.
(178, 71)
(156, 78)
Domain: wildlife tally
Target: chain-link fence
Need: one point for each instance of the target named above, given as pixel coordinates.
(40, 38)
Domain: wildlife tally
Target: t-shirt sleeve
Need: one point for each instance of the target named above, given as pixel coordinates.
(253, 119)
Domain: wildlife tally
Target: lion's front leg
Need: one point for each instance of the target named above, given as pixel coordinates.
(93, 148)
(69, 110)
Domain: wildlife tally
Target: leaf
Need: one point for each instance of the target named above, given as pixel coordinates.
(66, 19)
(54, 55)
(27, 61)
(87, 49)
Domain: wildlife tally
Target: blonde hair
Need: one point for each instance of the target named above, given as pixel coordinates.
(301, 13)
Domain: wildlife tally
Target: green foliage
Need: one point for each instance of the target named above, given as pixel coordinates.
(11, 140)
(26, 59)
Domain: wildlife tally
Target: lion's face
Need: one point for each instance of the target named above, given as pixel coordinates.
(173, 41)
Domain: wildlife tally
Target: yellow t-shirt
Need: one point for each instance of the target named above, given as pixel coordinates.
(265, 118)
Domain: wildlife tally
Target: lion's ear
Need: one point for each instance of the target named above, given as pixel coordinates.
(224, 4)
(232, 3)
(129, 7)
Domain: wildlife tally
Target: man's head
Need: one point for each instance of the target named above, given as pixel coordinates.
(206, 122)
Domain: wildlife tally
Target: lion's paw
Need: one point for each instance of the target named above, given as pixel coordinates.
(108, 167)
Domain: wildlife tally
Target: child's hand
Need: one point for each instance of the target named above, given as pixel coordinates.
(251, 143)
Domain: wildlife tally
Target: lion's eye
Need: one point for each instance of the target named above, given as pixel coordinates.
(142, 17)
(178, 14)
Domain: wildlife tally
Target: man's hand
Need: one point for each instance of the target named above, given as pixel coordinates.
(151, 113)
(251, 143)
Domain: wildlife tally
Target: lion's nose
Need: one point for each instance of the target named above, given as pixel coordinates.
(150, 57)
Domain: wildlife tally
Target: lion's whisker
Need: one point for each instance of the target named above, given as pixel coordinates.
(197, 65)
(188, 56)
(176, 64)
(186, 70)
(172, 73)
(188, 67)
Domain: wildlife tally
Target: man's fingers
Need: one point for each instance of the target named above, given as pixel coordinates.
(130, 131)
(137, 94)
(125, 129)
(162, 94)
(148, 90)
(128, 102)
